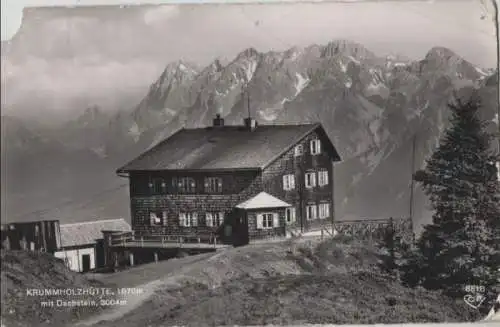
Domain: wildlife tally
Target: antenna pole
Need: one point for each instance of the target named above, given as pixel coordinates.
(248, 105)
(412, 183)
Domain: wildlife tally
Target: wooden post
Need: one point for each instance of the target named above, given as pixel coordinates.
(131, 258)
(156, 256)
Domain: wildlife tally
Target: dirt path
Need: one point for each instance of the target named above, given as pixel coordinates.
(162, 273)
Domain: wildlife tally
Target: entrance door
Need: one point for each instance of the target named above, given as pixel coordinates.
(85, 262)
(240, 231)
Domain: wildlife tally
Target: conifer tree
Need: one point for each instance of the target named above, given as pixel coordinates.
(461, 246)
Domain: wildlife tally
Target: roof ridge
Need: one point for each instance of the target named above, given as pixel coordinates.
(259, 125)
(93, 222)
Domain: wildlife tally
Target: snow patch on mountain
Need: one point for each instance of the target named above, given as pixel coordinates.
(301, 83)
(250, 70)
(481, 71)
(134, 131)
(343, 67)
(100, 151)
(268, 114)
(354, 60)
(374, 127)
(169, 111)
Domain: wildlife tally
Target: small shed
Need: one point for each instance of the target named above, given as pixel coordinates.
(260, 217)
(81, 243)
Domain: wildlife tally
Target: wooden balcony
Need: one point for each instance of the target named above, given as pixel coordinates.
(170, 241)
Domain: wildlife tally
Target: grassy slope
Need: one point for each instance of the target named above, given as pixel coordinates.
(22, 270)
(288, 283)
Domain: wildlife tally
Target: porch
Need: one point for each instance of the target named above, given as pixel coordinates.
(129, 240)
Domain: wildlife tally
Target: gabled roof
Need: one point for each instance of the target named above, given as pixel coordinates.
(225, 148)
(88, 232)
(262, 200)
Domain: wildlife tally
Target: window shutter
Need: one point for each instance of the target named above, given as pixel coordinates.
(314, 212)
(292, 182)
(195, 219)
(259, 221)
(292, 214)
(313, 179)
(209, 219)
(312, 147)
(318, 146)
(285, 184)
(276, 220)
(182, 219)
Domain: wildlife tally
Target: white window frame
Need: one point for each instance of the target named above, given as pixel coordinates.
(324, 210)
(154, 220)
(214, 219)
(213, 185)
(188, 219)
(298, 150)
(290, 215)
(288, 182)
(263, 220)
(312, 182)
(315, 147)
(323, 177)
(311, 212)
(185, 184)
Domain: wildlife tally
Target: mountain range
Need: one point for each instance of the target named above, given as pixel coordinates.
(377, 110)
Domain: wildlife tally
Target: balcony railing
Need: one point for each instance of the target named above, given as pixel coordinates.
(127, 238)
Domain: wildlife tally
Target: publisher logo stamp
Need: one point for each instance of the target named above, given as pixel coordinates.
(475, 295)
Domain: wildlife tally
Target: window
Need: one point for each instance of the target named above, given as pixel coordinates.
(184, 184)
(323, 177)
(290, 215)
(324, 210)
(158, 218)
(213, 185)
(157, 186)
(315, 147)
(311, 212)
(310, 180)
(188, 219)
(288, 182)
(299, 150)
(214, 219)
(267, 220)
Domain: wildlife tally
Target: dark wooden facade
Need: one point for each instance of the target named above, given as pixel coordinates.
(41, 235)
(157, 192)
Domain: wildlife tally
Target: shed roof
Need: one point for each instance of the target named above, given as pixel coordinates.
(88, 232)
(225, 148)
(263, 200)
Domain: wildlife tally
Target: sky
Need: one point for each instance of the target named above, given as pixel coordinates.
(94, 51)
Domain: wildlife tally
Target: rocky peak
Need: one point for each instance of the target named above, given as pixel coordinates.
(346, 48)
(247, 53)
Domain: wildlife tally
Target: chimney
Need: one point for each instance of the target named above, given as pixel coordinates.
(250, 123)
(218, 121)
